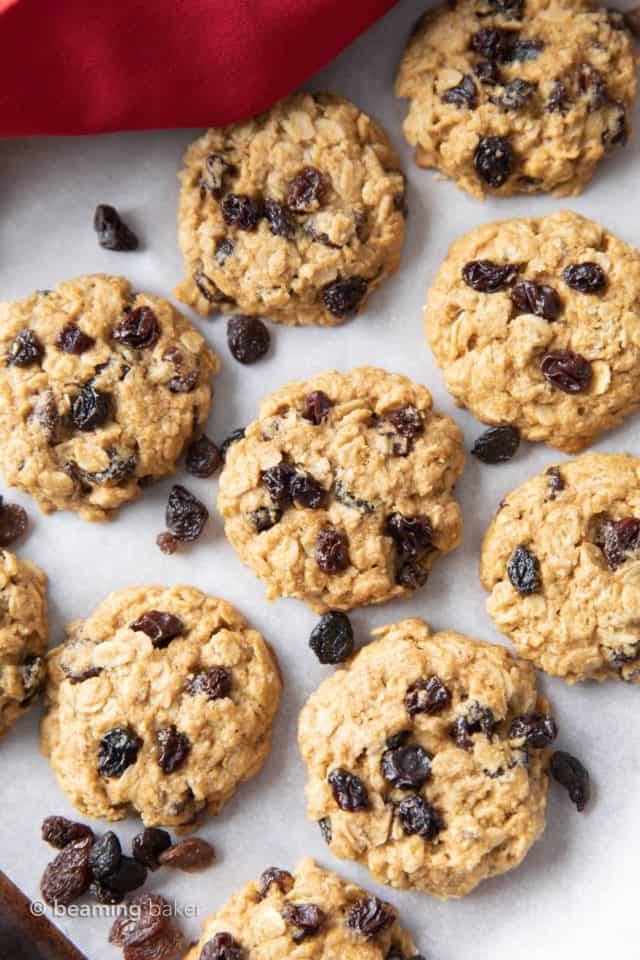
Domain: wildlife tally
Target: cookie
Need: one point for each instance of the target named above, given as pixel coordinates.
(297, 214)
(518, 96)
(100, 389)
(427, 759)
(271, 916)
(159, 703)
(23, 636)
(561, 561)
(534, 323)
(340, 494)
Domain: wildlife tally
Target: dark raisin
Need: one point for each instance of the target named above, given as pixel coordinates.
(68, 876)
(203, 458)
(585, 277)
(496, 444)
(558, 100)
(209, 290)
(224, 249)
(168, 944)
(128, 876)
(118, 750)
(113, 233)
(173, 748)
(222, 947)
(145, 918)
(413, 536)
(184, 382)
(325, 829)
(24, 350)
(185, 515)
(248, 339)
(407, 421)
(494, 161)
(332, 638)
(478, 719)
(332, 550)
(485, 276)
(537, 730)
(233, 437)
(525, 49)
(507, 8)
(418, 817)
(398, 739)
(190, 855)
(105, 856)
(167, 543)
(411, 574)
(569, 372)
(278, 481)
(514, 95)
(83, 675)
(215, 170)
(618, 134)
(307, 492)
(349, 499)
(349, 791)
(555, 482)
(406, 768)
(118, 471)
(307, 917)
(100, 892)
(492, 43)
(307, 191)
(370, 917)
(281, 878)
(140, 329)
(58, 831)
(427, 696)
(148, 845)
(71, 339)
(572, 775)
(90, 409)
(264, 518)
(239, 210)
(214, 684)
(161, 627)
(464, 94)
(617, 538)
(342, 297)
(316, 407)
(488, 73)
(279, 219)
(523, 571)
(13, 522)
(536, 298)
(591, 82)
(33, 676)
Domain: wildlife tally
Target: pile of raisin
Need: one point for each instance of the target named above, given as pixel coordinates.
(145, 932)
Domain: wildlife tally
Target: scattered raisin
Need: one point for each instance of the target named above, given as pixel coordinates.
(406, 768)
(617, 538)
(222, 947)
(307, 917)
(278, 482)
(90, 408)
(332, 638)
(148, 845)
(113, 233)
(508, 8)
(68, 876)
(325, 829)
(184, 382)
(248, 339)
(558, 101)
(203, 458)
(168, 944)
(83, 675)
(224, 249)
(488, 73)
(411, 574)
(494, 160)
(591, 81)
(239, 210)
(13, 522)
(209, 290)
(279, 219)
(523, 570)
(173, 748)
(167, 542)
(568, 371)
(144, 921)
(537, 730)
(585, 277)
(103, 894)
(118, 471)
(58, 831)
(215, 170)
(307, 492)
(478, 719)
(419, 817)
(526, 49)
(497, 444)
(536, 298)
(190, 855)
(161, 627)
(332, 550)
(515, 94)
(316, 407)
(571, 774)
(492, 43)
(463, 95)
(185, 515)
(342, 297)
(128, 876)
(427, 696)
(413, 536)
(349, 791)
(214, 684)
(349, 499)
(118, 750)
(370, 917)
(618, 134)
(264, 518)
(282, 879)
(406, 421)
(71, 339)
(398, 739)
(485, 276)
(233, 437)
(555, 482)
(24, 350)
(140, 329)
(105, 856)
(307, 191)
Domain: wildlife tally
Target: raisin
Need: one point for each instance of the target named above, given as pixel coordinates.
(342, 297)
(316, 407)
(488, 73)
(47, 414)
(571, 774)
(555, 482)
(113, 233)
(463, 95)
(161, 627)
(248, 339)
(569, 372)
(173, 748)
(307, 191)
(282, 879)
(145, 917)
(168, 944)
(558, 101)
(349, 499)
(485, 276)
(332, 550)
(209, 290)
(427, 696)
(33, 675)
(492, 43)
(514, 95)
(118, 471)
(525, 49)
(24, 350)
(508, 8)
(279, 219)
(418, 817)
(13, 522)
(233, 437)
(58, 831)
(494, 161)
(128, 876)
(537, 730)
(398, 739)
(325, 829)
(591, 81)
(278, 482)
(203, 458)
(83, 675)
(497, 444)
(103, 894)
(148, 845)
(239, 210)
(190, 855)
(224, 249)
(618, 134)
(264, 518)
(167, 542)
(332, 638)
(406, 768)
(523, 571)
(105, 856)
(349, 791)
(413, 536)
(411, 575)
(307, 917)
(68, 876)
(222, 947)
(407, 421)
(585, 277)
(617, 538)
(140, 329)
(215, 170)
(90, 409)
(185, 515)
(536, 298)
(71, 339)
(184, 382)
(214, 684)
(370, 917)
(478, 719)
(118, 750)
(307, 492)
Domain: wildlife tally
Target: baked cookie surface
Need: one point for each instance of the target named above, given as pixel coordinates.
(100, 387)
(561, 561)
(297, 214)
(535, 322)
(518, 96)
(340, 494)
(426, 759)
(342, 920)
(23, 636)
(161, 702)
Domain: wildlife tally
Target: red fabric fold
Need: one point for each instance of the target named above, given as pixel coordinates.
(91, 66)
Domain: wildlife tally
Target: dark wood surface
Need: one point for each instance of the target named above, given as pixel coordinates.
(24, 936)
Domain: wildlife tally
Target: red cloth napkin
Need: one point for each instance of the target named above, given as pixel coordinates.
(89, 66)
